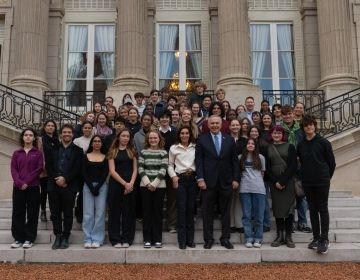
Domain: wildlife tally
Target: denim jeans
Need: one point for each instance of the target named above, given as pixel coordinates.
(253, 205)
(94, 208)
(301, 207)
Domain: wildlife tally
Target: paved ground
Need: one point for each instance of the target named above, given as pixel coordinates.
(298, 271)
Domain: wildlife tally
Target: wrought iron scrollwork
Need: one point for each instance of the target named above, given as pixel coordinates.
(20, 110)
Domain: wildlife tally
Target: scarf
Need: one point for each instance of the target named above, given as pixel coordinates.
(291, 132)
(103, 131)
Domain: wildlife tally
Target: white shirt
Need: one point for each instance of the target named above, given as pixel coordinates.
(181, 159)
(164, 130)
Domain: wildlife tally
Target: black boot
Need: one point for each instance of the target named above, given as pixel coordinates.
(57, 242)
(279, 240)
(64, 243)
(288, 240)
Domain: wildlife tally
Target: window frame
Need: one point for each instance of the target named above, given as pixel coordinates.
(182, 52)
(274, 53)
(90, 52)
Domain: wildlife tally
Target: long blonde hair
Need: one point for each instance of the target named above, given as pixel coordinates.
(114, 148)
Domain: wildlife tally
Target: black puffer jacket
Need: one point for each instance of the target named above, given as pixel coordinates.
(317, 161)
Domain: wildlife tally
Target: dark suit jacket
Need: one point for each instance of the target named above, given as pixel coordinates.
(214, 169)
(73, 177)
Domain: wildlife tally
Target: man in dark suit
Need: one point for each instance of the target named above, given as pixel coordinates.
(63, 165)
(218, 173)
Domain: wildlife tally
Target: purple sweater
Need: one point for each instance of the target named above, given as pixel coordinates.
(26, 168)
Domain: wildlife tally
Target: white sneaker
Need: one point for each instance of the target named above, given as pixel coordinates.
(27, 245)
(118, 245)
(158, 245)
(125, 245)
(95, 245)
(16, 244)
(257, 244)
(87, 245)
(248, 245)
(147, 245)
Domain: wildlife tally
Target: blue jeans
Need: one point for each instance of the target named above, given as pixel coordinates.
(94, 208)
(253, 205)
(301, 207)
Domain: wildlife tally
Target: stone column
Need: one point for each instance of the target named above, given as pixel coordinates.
(234, 50)
(311, 43)
(130, 49)
(31, 35)
(337, 70)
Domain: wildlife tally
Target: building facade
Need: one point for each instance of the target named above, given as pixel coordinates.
(119, 46)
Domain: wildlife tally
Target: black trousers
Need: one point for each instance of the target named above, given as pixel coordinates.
(43, 185)
(122, 215)
(152, 205)
(61, 202)
(285, 224)
(185, 202)
(170, 204)
(25, 213)
(209, 198)
(317, 198)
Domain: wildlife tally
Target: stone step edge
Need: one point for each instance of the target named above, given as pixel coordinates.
(171, 254)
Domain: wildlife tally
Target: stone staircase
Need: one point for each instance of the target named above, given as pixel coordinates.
(344, 237)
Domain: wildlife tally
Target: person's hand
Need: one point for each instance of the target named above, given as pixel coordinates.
(24, 187)
(129, 187)
(278, 186)
(175, 182)
(60, 181)
(151, 187)
(202, 184)
(235, 185)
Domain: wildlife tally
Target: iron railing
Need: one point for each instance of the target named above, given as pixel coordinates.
(78, 102)
(309, 98)
(338, 114)
(21, 110)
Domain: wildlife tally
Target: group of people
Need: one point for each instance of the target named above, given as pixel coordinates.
(126, 161)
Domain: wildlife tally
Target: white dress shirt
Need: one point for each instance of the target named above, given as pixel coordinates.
(181, 159)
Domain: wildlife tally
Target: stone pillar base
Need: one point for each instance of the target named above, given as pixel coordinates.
(30, 85)
(237, 93)
(334, 90)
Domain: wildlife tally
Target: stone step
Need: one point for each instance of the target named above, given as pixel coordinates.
(341, 194)
(171, 254)
(344, 202)
(77, 237)
(344, 212)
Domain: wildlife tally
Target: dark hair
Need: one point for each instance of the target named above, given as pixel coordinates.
(191, 139)
(196, 102)
(43, 128)
(112, 99)
(263, 102)
(165, 113)
(112, 107)
(230, 111)
(256, 161)
(139, 94)
(251, 127)
(225, 101)
(217, 103)
(308, 120)
(249, 97)
(106, 118)
(119, 119)
(66, 125)
(286, 109)
(114, 148)
(133, 108)
(172, 97)
(154, 90)
(262, 122)
(277, 105)
(207, 96)
(147, 114)
(87, 122)
(90, 149)
(21, 140)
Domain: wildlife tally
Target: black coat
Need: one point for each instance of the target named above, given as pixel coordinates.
(214, 169)
(73, 177)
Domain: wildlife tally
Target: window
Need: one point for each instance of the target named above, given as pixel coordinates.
(272, 55)
(90, 57)
(179, 56)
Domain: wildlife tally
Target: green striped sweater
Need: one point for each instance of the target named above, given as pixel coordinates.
(152, 167)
